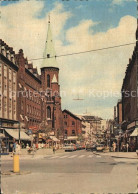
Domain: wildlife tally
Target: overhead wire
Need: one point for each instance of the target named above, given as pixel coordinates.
(82, 52)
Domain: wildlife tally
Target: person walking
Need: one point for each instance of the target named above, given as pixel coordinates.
(54, 149)
(14, 147)
(114, 146)
(127, 146)
(18, 148)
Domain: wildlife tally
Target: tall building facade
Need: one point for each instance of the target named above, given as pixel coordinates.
(8, 86)
(28, 96)
(130, 99)
(50, 84)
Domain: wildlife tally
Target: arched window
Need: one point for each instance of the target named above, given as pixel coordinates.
(48, 81)
(48, 112)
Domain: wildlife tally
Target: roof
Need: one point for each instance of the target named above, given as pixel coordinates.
(49, 54)
(91, 118)
(71, 114)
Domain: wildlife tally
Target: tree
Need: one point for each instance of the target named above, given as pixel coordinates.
(44, 128)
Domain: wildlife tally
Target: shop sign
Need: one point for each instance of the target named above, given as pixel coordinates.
(131, 125)
(7, 125)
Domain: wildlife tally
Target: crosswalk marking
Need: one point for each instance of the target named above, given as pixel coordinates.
(72, 156)
(90, 156)
(81, 156)
(98, 156)
(54, 157)
(64, 157)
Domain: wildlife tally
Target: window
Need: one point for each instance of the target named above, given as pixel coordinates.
(66, 116)
(73, 123)
(48, 80)
(48, 55)
(66, 132)
(65, 123)
(48, 112)
(73, 132)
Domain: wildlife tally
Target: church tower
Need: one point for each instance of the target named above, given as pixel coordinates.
(50, 84)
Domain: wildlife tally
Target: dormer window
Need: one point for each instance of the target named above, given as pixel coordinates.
(48, 55)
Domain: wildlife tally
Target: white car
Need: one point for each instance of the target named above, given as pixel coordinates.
(100, 147)
(69, 147)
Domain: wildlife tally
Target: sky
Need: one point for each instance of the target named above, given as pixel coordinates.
(76, 26)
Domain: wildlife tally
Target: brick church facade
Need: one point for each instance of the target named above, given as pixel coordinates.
(38, 101)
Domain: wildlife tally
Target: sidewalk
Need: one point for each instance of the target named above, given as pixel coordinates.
(41, 153)
(129, 155)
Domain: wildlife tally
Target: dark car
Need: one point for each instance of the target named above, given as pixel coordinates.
(94, 147)
(88, 147)
(91, 147)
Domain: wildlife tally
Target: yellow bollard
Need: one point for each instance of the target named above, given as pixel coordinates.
(16, 167)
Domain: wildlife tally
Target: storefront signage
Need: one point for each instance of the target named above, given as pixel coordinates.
(7, 125)
(131, 125)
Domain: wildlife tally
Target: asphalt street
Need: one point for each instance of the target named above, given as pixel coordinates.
(72, 172)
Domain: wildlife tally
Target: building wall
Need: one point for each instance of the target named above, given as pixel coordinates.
(72, 125)
(55, 120)
(8, 82)
(129, 89)
(119, 112)
(29, 100)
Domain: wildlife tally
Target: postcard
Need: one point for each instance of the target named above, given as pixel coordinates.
(68, 96)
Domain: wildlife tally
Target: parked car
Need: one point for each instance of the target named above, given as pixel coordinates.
(83, 146)
(69, 147)
(91, 147)
(88, 147)
(94, 147)
(78, 146)
(100, 147)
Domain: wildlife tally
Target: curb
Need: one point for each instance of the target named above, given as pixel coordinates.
(14, 173)
(122, 157)
(115, 156)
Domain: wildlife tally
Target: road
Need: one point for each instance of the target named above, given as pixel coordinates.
(73, 172)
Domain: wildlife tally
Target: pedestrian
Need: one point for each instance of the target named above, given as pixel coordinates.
(54, 149)
(18, 148)
(114, 146)
(14, 147)
(127, 145)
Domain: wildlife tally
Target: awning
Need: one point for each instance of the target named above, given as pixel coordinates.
(135, 132)
(15, 134)
(54, 138)
(2, 135)
(72, 137)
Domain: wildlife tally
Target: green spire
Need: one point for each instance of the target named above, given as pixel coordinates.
(49, 52)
